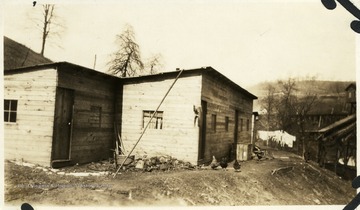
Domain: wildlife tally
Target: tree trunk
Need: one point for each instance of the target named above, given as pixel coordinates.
(44, 35)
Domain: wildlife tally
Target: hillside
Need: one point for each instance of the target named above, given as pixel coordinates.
(331, 93)
(17, 55)
(281, 178)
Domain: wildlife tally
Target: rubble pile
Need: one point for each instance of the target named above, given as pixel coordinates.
(162, 163)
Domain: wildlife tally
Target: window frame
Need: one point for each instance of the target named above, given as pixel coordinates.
(241, 124)
(213, 122)
(10, 112)
(95, 116)
(226, 123)
(158, 117)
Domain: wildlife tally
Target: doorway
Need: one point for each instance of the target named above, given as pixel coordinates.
(202, 131)
(63, 121)
(236, 127)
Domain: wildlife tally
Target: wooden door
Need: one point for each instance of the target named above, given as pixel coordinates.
(236, 127)
(202, 131)
(63, 124)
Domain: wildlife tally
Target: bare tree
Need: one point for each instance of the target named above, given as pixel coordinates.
(126, 60)
(303, 107)
(268, 103)
(50, 25)
(286, 104)
(154, 63)
(48, 14)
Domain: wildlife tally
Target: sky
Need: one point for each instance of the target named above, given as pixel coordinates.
(247, 41)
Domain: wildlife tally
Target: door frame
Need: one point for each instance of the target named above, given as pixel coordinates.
(60, 102)
(236, 127)
(202, 132)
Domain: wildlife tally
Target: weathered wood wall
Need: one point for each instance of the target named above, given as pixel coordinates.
(179, 135)
(222, 101)
(30, 138)
(93, 134)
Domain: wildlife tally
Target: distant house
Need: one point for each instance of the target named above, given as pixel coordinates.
(351, 97)
(204, 115)
(58, 114)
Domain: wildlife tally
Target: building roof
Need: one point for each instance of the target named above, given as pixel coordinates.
(160, 76)
(352, 85)
(63, 66)
(17, 55)
(339, 124)
(189, 72)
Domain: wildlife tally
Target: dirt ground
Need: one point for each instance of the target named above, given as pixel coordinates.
(281, 179)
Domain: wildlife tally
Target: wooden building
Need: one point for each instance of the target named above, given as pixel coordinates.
(351, 97)
(58, 113)
(204, 115)
(337, 144)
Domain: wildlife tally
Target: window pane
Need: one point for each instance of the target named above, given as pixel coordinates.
(213, 122)
(156, 122)
(226, 123)
(6, 104)
(160, 122)
(147, 114)
(12, 116)
(152, 124)
(13, 105)
(95, 116)
(241, 124)
(6, 116)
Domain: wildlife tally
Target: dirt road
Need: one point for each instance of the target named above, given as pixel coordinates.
(282, 180)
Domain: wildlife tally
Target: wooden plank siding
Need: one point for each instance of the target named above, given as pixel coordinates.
(222, 101)
(30, 138)
(92, 138)
(178, 136)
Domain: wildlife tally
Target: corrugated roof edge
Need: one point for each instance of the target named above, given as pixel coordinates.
(53, 65)
(350, 85)
(201, 70)
(338, 123)
(208, 69)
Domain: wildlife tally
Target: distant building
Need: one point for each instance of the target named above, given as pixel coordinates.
(351, 98)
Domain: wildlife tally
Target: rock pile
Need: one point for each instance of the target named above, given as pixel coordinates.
(162, 163)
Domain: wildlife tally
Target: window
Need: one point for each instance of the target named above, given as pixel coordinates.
(213, 122)
(241, 124)
(350, 94)
(95, 116)
(226, 123)
(10, 109)
(247, 124)
(156, 122)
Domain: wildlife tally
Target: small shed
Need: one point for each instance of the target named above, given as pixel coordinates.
(58, 113)
(204, 115)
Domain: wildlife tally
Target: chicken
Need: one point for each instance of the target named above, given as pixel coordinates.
(307, 156)
(259, 153)
(214, 163)
(236, 166)
(223, 163)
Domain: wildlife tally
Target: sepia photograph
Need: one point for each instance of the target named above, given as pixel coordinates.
(181, 104)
